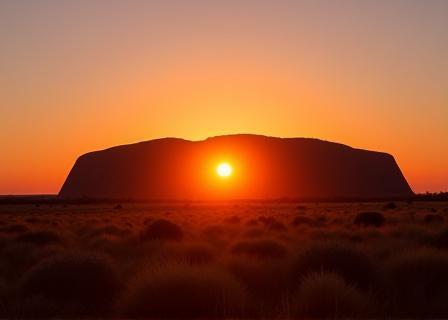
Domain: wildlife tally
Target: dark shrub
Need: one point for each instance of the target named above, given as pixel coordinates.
(440, 239)
(277, 226)
(40, 238)
(110, 230)
(261, 249)
(33, 307)
(233, 220)
(272, 224)
(302, 221)
(432, 218)
(118, 207)
(84, 284)
(252, 223)
(18, 257)
(416, 284)
(326, 295)
(33, 220)
(254, 233)
(354, 266)
(390, 206)
(267, 283)
(162, 230)
(189, 253)
(369, 219)
(181, 291)
(14, 228)
(267, 220)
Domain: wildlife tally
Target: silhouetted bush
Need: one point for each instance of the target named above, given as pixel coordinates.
(110, 230)
(277, 226)
(79, 284)
(14, 228)
(254, 232)
(302, 221)
(233, 220)
(162, 230)
(118, 207)
(390, 206)
(267, 220)
(432, 218)
(262, 249)
(416, 284)
(252, 223)
(18, 257)
(272, 224)
(40, 238)
(369, 219)
(268, 283)
(351, 264)
(34, 307)
(33, 220)
(180, 291)
(326, 295)
(440, 239)
(188, 253)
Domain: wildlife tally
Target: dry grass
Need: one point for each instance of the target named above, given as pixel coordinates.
(179, 290)
(218, 260)
(327, 295)
(74, 284)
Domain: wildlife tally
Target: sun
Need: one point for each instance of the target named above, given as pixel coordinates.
(224, 170)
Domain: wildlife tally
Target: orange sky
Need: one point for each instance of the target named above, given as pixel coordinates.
(77, 77)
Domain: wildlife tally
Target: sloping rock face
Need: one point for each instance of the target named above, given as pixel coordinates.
(263, 168)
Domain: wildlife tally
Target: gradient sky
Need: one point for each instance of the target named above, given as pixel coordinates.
(77, 76)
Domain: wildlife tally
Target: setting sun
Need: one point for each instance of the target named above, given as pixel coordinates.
(224, 170)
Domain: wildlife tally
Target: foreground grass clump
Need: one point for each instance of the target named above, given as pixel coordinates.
(261, 249)
(162, 230)
(416, 284)
(185, 253)
(326, 295)
(40, 238)
(353, 265)
(266, 282)
(75, 284)
(180, 290)
(369, 219)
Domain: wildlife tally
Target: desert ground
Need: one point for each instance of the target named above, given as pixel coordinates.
(224, 260)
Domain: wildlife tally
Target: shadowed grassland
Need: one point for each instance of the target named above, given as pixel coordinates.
(224, 260)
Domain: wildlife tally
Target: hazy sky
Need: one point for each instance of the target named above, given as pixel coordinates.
(77, 76)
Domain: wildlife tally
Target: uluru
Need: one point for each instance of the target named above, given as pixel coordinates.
(264, 168)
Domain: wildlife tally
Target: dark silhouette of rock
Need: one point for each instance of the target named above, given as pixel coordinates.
(263, 167)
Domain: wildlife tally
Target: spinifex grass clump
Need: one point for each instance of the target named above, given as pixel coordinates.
(354, 266)
(162, 229)
(326, 295)
(369, 219)
(179, 290)
(74, 284)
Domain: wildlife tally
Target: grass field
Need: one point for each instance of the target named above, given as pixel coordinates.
(226, 260)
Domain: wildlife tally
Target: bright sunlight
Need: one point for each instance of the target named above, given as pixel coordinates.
(224, 170)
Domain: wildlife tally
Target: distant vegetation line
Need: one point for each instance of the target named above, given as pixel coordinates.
(55, 199)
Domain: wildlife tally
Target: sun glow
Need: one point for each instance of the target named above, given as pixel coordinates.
(224, 170)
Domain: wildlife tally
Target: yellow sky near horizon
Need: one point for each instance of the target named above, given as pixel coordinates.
(82, 76)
